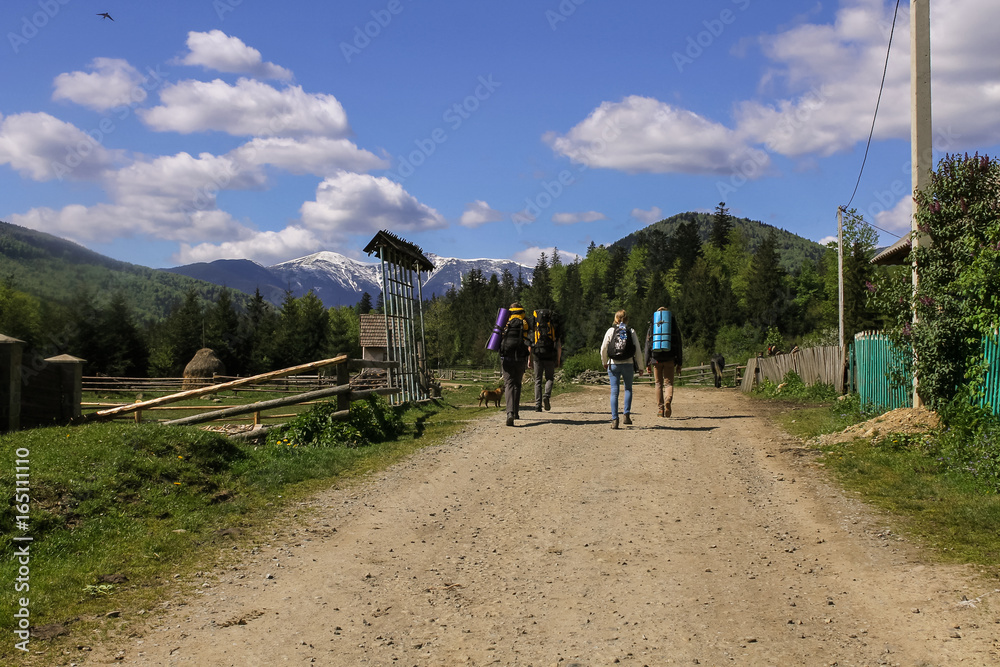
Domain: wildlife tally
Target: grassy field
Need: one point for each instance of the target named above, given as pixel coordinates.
(119, 510)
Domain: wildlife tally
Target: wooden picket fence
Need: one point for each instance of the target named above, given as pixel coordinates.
(814, 365)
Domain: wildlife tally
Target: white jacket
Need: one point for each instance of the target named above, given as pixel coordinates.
(638, 358)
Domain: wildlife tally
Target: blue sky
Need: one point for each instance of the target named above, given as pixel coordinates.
(204, 129)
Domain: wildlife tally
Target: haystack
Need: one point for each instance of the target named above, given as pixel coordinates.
(202, 368)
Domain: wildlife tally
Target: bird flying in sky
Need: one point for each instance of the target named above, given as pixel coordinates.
(105, 15)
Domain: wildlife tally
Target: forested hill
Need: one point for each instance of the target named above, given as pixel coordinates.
(54, 269)
(792, 249)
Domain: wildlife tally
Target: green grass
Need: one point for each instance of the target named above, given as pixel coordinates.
(148, 502)
(947, 510)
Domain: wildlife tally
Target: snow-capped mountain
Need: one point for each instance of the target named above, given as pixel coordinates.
(336, 279)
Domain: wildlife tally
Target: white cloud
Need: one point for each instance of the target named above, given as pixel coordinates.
(360, 204)
(479, 213)
(654, 214)
(574, 218)
(317, 155)
(169, 197)
(816, 97)
(112, 82)
(898, 219)
(641, 134)
(224, 53)
(529, 256)
(44, 148)
(826, 240)
(262, 247)
(248, 108)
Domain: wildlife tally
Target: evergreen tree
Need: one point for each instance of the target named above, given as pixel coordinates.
(685, 244)
(540, 295)
(123, 348)
(722, 224)
(365, 304)
(222, 332)
(258, 328)
(765, 293)
(344, 335)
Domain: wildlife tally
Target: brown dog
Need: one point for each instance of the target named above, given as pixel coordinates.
(491, 396)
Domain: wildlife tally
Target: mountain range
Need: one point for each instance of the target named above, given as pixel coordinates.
(58, 270)
(337, 280)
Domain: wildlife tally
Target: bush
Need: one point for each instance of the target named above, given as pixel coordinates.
(583, 361)
(370, 421)
(970, 443)
(793, 387)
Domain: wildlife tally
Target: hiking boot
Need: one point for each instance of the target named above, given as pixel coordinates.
(545, 402)
(666, 410)
(614, 423)
(510, 419)
(538, 408)
(627, 420)
(659, 413)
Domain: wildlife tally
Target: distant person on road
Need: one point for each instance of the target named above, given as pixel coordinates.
(664, 352)
(622, 357)
(546, 354)
(514, 355)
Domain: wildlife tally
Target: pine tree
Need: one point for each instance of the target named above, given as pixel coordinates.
(722, 224)
(765, 290)
(364, 305)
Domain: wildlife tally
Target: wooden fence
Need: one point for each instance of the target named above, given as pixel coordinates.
(339, 385)
(814, 365)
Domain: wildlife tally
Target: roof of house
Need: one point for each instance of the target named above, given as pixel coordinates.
(893, 255)
(372, 330)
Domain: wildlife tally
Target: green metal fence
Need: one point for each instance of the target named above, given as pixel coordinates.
(877, 363)
(874, 358)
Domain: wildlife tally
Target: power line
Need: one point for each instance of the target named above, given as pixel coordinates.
(885, 68)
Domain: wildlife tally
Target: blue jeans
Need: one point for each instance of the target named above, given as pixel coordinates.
(620, 373)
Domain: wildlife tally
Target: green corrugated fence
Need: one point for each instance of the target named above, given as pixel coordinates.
(875, 357)
(875, 360)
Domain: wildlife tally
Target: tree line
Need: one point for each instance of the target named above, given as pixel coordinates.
(727, 298)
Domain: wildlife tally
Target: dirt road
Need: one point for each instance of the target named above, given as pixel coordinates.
(707, 538)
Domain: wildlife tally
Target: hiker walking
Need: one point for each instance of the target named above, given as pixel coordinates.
(514, 355)
(546, 354)
(622, 357)
(664, 352)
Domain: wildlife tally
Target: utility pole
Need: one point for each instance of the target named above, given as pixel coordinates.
(921, 143)
(840, 275)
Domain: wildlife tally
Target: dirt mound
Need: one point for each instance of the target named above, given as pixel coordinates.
(901, 420)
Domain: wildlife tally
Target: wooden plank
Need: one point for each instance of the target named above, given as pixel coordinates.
(341, 390)
(191, 393)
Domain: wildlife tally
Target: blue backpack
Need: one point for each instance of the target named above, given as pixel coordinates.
(662, 319)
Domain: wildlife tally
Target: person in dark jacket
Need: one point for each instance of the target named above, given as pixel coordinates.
(514, 355)
(546, 355)
(665, 364)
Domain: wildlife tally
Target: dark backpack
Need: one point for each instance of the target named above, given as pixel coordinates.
(515, 337)
(543, 336)
(622, 346)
